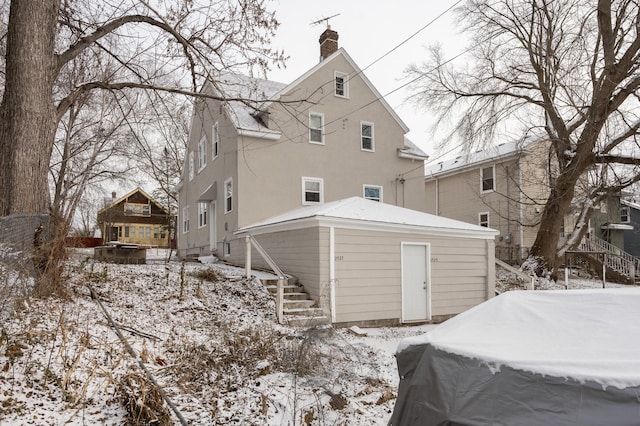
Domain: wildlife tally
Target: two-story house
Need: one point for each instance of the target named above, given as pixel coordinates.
(503, 187)
(326, 136)
(320, 173)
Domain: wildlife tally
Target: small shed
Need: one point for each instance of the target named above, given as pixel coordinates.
(371, 263)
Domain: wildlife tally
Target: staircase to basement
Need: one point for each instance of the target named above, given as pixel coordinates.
(298, 307)
(620, 265)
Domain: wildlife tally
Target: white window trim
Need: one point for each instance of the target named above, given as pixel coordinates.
(488, 219)
(364, 192)
(191, 166)
(493, 171)
(373, 137)
(215, 141)
(321, 115)
(226, 196)
(628, 210)
(202, 153)
(345, 77)
(203, 212)
(185, 220)
(312, 179)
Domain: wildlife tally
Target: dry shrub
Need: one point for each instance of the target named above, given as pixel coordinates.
(142, 401)
(209, 274)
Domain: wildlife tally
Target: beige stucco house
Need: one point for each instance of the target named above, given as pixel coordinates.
(503, 187)
(326, 136)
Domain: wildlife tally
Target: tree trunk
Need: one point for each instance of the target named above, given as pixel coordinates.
(27, 113)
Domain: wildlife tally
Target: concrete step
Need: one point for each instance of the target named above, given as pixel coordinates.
(287, 289)
(296, 296)
(274, 281)
(302, 321)
(307, 312)
(298, 304)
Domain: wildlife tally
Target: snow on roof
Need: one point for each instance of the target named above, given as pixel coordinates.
(255, 89)
(587, 335)
(501, 151)
(373, 212)
(412, 149)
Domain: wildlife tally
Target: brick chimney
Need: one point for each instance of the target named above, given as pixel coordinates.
(113, 195)
(328, 43)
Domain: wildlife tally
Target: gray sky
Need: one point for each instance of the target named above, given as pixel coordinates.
(368, 29)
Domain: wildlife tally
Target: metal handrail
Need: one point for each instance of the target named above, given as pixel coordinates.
(250, 241)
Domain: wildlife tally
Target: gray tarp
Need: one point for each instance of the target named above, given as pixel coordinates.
(442, 388)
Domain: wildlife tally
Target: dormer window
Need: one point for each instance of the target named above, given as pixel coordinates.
(341, 84)
(137, 209)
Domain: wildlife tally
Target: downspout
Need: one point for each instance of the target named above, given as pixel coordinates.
(437, 197)
(332, 273)
(520, 208)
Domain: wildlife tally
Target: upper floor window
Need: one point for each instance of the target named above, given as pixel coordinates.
(312, 189)
(191, 166)
(625, 214)
(202, 153)
(316, 127)
(487, 174)
(202, 214)
(373, 192)
(366, 136)
(341, 84)
(215, 140)
(228, 195)
(137, 209)
(483, 219)
(185, 220)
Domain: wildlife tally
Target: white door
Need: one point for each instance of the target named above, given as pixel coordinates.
(212, 226)
(416, 289)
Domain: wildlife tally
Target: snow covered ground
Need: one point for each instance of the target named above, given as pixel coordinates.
(207, 336)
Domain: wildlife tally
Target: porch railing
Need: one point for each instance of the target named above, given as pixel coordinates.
(616, 259)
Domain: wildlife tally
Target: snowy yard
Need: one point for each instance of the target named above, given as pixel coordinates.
(207, 336)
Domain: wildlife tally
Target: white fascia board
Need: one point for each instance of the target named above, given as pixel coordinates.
(259, 135)
(321, 221)
(406, 155)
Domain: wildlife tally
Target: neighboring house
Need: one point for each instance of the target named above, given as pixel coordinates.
(135, 218)
(326, 136)
(373, 262)
(610, 221)
(504, 188)
(630, 215)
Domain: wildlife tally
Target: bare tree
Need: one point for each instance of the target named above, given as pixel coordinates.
(189, 39)
(567, 70)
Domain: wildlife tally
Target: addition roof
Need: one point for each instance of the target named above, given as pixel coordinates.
(357, 212)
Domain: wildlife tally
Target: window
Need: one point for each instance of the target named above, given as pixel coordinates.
(342, 84)
(126, 232)
(562, 230)
(316, 128)
(228, 195)
(156, 232)
(366, 135)
(137, 209)
(226, 248)
(625, 214)
(202, 153)
(372, 192)
(483, 219)
(147, 231)
(215, 141)
(488, 179)
(312, 191)
(191, 165)
(202, 214)
(185, 221)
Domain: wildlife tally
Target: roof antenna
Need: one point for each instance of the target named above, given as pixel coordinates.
(326, 20)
